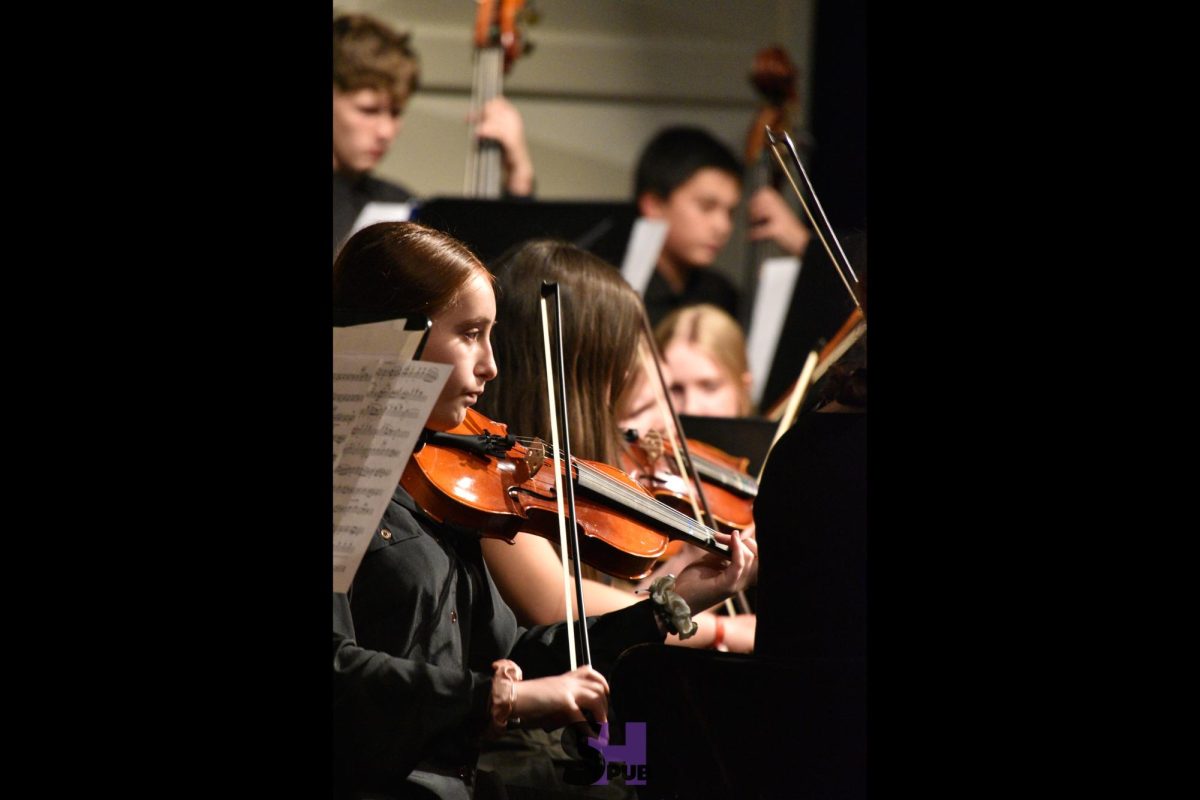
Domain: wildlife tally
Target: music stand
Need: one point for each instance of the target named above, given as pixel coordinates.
(490, 227)
(748, 437)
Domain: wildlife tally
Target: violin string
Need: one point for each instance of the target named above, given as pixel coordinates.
(723, 474)
(710, 469)
(628, 496)
(616, 487)
(618, 491)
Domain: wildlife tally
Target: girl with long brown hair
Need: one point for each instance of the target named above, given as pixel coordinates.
(602, 325)
(427, 657)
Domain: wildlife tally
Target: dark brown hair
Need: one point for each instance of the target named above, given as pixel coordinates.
(402, 268)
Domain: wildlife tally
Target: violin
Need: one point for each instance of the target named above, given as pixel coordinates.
(476, 475)
(728, 487)
(855, 325)
(851, 331)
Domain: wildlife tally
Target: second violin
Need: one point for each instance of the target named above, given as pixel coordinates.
(728, 487)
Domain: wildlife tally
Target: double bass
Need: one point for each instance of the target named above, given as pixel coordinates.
(498, 44)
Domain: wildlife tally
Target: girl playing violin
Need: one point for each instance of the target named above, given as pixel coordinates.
(707, 374)
(602, 323)
(428, 657)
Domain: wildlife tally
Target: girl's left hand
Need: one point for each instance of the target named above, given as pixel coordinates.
(709, 580)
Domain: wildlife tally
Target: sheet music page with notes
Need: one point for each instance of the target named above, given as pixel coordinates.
(380, 405)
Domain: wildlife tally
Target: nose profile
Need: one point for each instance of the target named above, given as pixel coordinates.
(486, 369)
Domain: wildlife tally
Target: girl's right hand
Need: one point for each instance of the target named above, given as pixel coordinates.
(561, 699)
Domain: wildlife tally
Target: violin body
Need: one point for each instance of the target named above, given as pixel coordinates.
(468, 489)
(728, 488)
(851, 331)
(511, 490)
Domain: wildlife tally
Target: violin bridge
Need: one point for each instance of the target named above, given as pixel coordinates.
(652, 444)
(535, 457)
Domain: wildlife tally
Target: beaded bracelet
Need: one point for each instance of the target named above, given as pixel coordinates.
(504, 695)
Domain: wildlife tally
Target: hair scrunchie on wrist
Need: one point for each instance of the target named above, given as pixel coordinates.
(671, 608)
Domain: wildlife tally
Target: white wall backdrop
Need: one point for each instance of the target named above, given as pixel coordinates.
(603, 77)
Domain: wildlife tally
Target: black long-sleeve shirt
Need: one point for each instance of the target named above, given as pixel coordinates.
(412, 669)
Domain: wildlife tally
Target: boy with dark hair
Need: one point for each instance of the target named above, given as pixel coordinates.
(691, 180)
(375, 72)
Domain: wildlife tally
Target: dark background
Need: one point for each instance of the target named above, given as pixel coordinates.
(215, 553)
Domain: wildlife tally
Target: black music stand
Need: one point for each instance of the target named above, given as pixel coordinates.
(748, 437)
(489, 227)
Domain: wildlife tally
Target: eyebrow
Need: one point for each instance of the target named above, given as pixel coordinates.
(476, 321)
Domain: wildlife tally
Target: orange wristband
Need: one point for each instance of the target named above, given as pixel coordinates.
(719, 639)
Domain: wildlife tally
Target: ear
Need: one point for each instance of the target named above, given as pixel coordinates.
(651, 205)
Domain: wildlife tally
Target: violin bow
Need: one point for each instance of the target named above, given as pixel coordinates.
(814, 369)
(675, 429)
(663, 405)
(565, 514)
(843, 265)
(683, 458)
(578, 735)
(795, 398)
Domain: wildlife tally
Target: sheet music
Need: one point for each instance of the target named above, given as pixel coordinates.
(385, 405)
(381, 401)
(645, 244)
(776, 282)
(387, 340)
